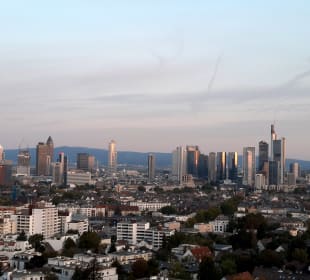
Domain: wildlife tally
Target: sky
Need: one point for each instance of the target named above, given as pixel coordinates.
(154, 75)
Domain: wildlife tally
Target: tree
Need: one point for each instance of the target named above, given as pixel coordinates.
(300, 255)
(228, 266)
(168, 210)
(69, 248)
(141, 189)
(208, 270)
(140, 268)
(35, 241)
(51, 276)
(89, 241)
(269, 258)
(22, 236)
(178, 271)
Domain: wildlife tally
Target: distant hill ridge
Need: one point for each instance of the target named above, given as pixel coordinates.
(163, 160)
(123, 157)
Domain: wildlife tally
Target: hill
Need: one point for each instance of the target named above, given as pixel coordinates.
(163, 160)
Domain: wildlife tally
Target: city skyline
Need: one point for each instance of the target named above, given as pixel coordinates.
(208, 74)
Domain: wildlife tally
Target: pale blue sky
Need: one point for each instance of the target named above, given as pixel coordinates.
(140, 72)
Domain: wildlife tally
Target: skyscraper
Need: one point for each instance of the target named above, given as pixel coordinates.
(23, 162)
(273, 137)
(295, 169)
(112, 157)
(232, 164)
(151, 167)
(203, 166)
(279, 155)
(249, 166)
(179, 163)
(274, 172)
(44, 157)
(192, 160)
(221, 166)
(262, 154)
(82, 161)
(1, 153)
(212, 167)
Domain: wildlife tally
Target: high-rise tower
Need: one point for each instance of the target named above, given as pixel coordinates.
(1, 153)
(262, 154)
(279, 155)
(232, 164)
(151, 167)
(192, 160)
(273, 137)
(249, 166)
(23, 162)
(221, 166)
(44, 157)
(212, 167)
(112, 157)
(179, 163)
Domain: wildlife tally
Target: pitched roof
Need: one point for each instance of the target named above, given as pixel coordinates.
(201, 252)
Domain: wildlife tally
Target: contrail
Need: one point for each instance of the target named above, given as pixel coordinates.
(213, 77)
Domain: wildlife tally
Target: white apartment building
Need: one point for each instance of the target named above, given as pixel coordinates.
(131, 232)
(45, 219)
(78, 225)
(155, 237)
(149, 206)
(78, 177)
(8, 225)
(134, 233)
(41, 219)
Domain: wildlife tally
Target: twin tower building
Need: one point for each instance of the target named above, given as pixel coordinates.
(221, 166)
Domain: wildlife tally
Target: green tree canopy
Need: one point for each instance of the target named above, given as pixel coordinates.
(89, 241)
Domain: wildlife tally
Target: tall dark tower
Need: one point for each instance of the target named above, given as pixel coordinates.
(263, 148)
(221, 166)
(151, 167)
(193, 154)
(232, 164)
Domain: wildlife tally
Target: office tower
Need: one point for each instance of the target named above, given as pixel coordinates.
(221, 166)
(58, 169)
(212, 167)
(91, 163)
(232, 164)
(192, 160)
(179, 163)
(291, 179)
(279, 154)
(65, 170)
(249, 166)
(151, 167)
(50, 148)
(203, 166)
(44, 157)
(260, 181)
(23, 162)
(273, 137)
(295, 169)
(82, 161)
(1, 153)
(6, 172)
(265, 171)
(112, 157)
(262, 154)
(274, 172)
